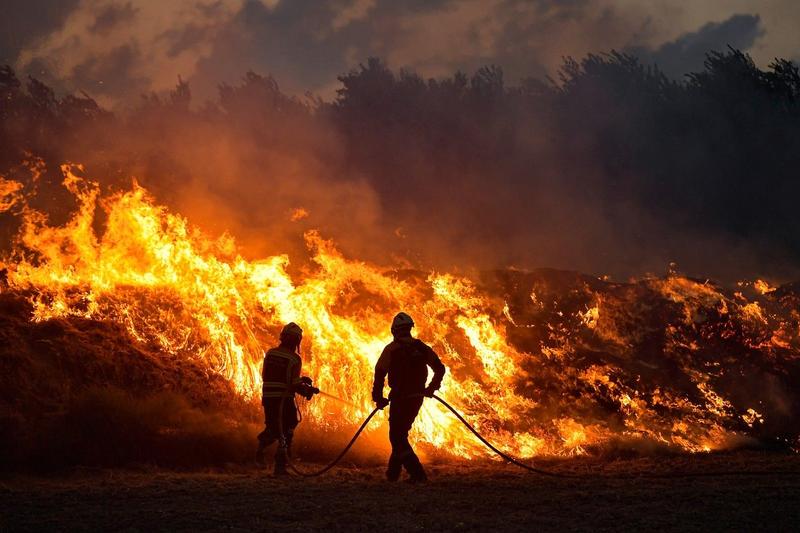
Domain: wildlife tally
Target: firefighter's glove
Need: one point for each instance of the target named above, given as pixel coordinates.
(309, 392)
(305, 389)
(380, 403)
(429, 391)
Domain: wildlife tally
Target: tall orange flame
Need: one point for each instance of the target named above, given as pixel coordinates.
(171, 286)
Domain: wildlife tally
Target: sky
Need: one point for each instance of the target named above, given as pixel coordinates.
(117, 50)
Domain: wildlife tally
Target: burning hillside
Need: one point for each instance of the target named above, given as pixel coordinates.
(542, 363)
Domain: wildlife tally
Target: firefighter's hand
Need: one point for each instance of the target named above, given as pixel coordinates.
(380, 403)
(307, 391)
(429, 391)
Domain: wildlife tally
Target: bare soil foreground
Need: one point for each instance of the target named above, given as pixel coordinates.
(756, 491)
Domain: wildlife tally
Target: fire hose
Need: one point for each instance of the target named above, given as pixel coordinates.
(493, 448)
(369, 417)
(514, 461)
(338, 458)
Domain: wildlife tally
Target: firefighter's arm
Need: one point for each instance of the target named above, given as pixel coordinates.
(294, 375)
(438, 371)
(381, 369)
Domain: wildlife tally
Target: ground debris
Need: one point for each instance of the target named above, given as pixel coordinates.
(483, 496)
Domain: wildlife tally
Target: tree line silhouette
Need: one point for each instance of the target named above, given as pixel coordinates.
(611, 166)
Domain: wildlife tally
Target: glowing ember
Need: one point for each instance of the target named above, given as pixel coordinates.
(762, 286)
(298, 214)
(10, 194)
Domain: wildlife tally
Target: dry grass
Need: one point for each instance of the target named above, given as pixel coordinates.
(459, 497)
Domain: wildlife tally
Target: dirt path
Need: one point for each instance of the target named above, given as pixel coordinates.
(461, 497)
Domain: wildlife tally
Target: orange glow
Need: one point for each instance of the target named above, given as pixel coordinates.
(10, 194)
(298, 214)
(196, 297)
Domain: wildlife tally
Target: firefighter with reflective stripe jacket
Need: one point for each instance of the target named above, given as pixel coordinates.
(406, 361)
(281, 375)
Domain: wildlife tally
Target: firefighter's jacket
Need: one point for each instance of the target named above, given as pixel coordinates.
(406, 361)
(281, 373)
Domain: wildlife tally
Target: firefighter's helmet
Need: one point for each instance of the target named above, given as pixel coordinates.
(292, 330)
(402, 321)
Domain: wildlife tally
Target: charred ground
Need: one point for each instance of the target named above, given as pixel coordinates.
(476, 497)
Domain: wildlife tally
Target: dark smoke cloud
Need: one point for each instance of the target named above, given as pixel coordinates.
(112, 72)
(687, 52)
(480, 170)
(617, 170)
(24, 21)
(306, 43)
(291, 38)
(112, 16)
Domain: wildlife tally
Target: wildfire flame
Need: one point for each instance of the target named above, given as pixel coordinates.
(173, 287)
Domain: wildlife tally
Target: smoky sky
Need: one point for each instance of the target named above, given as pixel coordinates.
(688, 52)
(506, 170)
(22, 22)
(116, 50)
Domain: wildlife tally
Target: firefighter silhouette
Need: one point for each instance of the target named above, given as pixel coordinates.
(406, 361)
(282, 380)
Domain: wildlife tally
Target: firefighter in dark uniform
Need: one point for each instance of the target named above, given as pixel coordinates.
(281, 375)
(406, 361)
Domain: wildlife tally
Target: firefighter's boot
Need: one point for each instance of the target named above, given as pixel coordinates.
(281, 459)
(395, 468)
(288, 443)
(260, 460)
(415, 471)
(263, 444)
